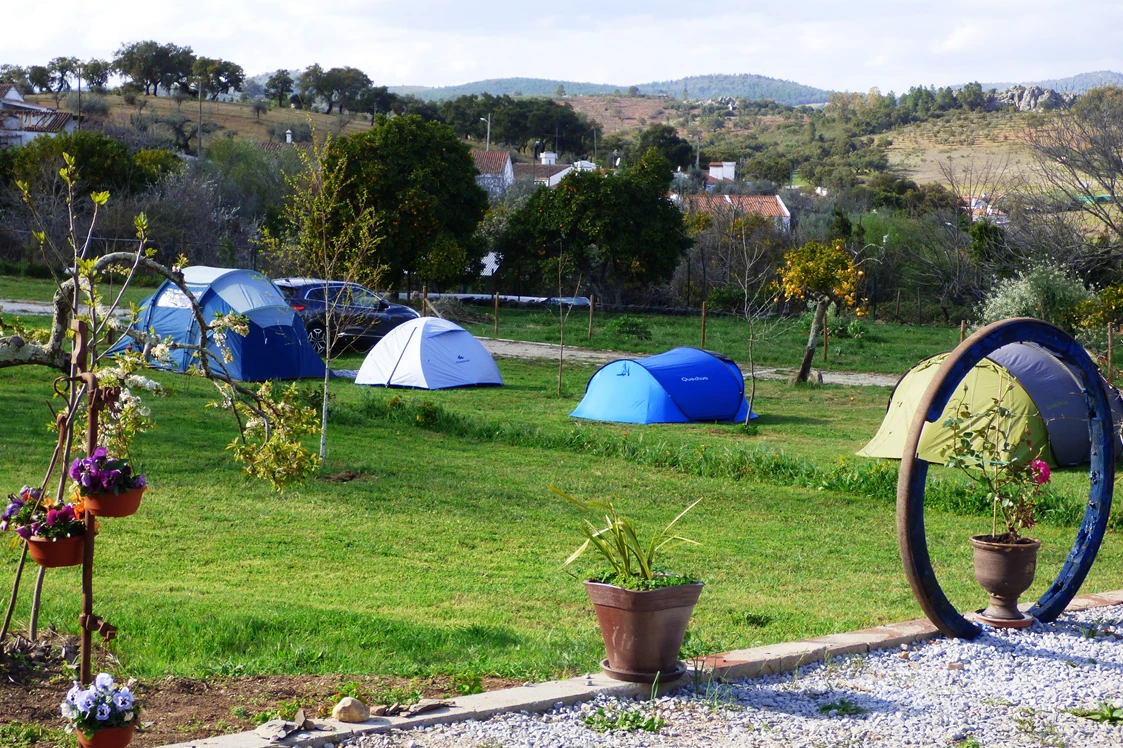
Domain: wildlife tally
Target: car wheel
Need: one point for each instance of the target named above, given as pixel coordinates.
(318, 337)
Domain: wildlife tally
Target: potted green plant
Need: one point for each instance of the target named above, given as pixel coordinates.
(643, 611)
(55, 533)
(994, 449)
(103, 715)
(109, 487)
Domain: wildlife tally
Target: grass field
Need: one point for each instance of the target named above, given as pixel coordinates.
(883, 348)
(16, 288)
(443, 556)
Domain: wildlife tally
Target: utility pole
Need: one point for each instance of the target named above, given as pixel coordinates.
(488, 121)
(200, 117)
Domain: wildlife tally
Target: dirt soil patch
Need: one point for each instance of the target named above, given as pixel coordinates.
(34, 679)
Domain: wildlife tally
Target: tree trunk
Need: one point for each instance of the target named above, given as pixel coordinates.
(817, 323)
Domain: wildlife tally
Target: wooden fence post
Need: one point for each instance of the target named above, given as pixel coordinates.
(496, 314)
(897, 313)
(591, 300)
(1110, 353)
(826, 336)
(962, 329)
(703, 325)
(424, 300)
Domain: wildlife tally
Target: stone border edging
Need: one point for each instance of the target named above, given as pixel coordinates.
(741, 663)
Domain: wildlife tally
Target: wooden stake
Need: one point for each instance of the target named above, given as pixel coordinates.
(424, 300)
(591, 300)
(919, 318)
(962, 330)
(703, 325)
(497, 314)
(826, 335)
(1110, 354)
(897, 313)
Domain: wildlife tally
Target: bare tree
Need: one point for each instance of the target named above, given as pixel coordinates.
(1077, 154)
(333, 240)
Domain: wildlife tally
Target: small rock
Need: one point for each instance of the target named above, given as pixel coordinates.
(955, 666)
(425, 705)
(350, 710)
(393, 709)
(378, 711)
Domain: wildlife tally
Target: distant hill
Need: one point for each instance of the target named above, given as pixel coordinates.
(507, 86)
(1079, 83)
(744, 85)
(697, 87)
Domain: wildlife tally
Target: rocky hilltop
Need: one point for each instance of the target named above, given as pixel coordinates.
(1029, 99)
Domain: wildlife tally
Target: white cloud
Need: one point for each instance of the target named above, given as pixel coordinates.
(961, 38)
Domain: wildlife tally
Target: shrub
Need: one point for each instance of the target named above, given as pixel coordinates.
(91, 104)
(627, 326)
(1045, 291)
(129, 97)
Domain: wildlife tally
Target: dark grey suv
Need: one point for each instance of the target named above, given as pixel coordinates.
(359, 316)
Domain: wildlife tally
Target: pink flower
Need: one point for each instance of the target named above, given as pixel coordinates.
(1041, 472)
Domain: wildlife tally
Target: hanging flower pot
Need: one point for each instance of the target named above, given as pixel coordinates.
(121, 504)
(54, 554)
(110, 487)
(108, 737)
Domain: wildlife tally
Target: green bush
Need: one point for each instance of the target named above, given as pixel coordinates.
(1044, 291)
(628, 326)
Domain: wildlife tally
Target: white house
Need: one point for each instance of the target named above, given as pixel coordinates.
(496, 172)
(21, 122)
(769, 206)
(549, 172)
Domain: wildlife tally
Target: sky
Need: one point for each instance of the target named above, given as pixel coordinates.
(834, 44)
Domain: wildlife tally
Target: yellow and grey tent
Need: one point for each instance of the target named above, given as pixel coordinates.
(1046, 399)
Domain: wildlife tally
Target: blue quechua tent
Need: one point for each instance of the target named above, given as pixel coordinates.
(680, 386)
(276, 347)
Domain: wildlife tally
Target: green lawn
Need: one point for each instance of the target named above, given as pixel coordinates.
(883, 348)
(444, 557)
(16, 288)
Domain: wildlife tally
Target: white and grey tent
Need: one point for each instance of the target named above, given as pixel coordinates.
(428, 353)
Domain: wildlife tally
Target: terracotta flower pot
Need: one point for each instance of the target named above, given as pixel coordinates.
(643, 631)
(54, 554)
(109, 737)
(115, 505)
(1005, 571)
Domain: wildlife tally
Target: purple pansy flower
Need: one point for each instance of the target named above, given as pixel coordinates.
(86, 700)
(103, 681)
(103, 712)
(123, 700)
(52, 517)
(72, 694)
(24, 532)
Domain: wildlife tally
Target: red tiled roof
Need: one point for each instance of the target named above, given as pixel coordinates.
(53, 122)
(762, 205)
(491, 162)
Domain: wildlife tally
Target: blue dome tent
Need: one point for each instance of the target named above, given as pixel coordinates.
(682, 385)
(276, 347)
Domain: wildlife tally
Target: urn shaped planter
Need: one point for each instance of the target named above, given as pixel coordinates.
(109, 737)
(54, 554)
(643, 630)
(123, 504)
(1005, 571)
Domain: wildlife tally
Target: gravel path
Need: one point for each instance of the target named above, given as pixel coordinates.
(522, 349)
(1002, 690)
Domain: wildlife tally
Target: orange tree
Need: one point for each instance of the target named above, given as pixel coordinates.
(820, 274)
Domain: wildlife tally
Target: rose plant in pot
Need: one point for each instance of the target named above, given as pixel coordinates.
(994, 448)
(55, 533)
(643, 611)
(103, 715)
(109, 487)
